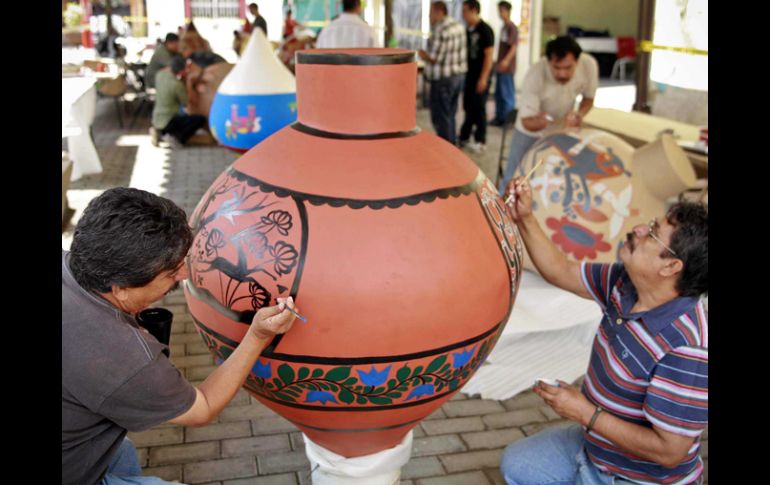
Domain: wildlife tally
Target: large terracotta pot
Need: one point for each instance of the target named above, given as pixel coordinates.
(256, 99)
(592, 188)
(394, 245)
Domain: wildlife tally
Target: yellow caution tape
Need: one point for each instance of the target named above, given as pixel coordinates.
(648, 46)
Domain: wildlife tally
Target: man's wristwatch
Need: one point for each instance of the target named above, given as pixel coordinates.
(591, 423)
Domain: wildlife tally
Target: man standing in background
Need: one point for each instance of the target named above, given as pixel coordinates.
(445, 67)
(348, 30)
(259, 21)
(481, 41)
(505, 89)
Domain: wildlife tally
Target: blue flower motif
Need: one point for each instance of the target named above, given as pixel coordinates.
(320, 396)
(374, 378)
(419, 391)
(263, 370)
(462, 358)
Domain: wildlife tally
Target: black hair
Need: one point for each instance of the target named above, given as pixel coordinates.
(440, 6)
(127, 237)
(178, 64)
(690, 242)
(473, 5)
(171, 37)
(561, 46)
(505, 5)
(348, 5)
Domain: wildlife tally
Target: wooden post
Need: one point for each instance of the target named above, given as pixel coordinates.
(645, 28)
(137, 12)
(108, 12)
(86, 38)
(388, 22)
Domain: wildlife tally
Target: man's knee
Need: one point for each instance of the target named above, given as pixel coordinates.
(516, 462)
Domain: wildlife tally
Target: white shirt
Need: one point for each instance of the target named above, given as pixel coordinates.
(346, 31)
(541, 92)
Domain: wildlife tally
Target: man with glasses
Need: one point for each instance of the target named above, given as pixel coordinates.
(644, 402)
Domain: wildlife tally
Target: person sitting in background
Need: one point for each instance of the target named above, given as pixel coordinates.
(169, 119)
(192, 41)
(204, 59)
(107, 46)
(240, 40)
(299, 40)
(162, 57)
(290, 25)
(206, 71)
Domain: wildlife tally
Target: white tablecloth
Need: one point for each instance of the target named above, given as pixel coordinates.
(607, 45)
(78, 109)
(549, 334)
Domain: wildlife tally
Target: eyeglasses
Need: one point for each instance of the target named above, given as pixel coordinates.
(652, 231)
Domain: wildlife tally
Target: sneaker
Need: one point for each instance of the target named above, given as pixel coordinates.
(172, 142)
(461, 143)
(476, 147)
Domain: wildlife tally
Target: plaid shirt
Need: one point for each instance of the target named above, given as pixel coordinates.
(448, 45)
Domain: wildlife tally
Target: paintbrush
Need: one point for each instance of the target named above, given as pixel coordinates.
(532, 170)
(287, 307)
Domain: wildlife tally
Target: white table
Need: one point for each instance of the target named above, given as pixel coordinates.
(602, 45)
(76, 55)
(78, 109)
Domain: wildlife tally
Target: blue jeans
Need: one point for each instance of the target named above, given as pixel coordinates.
(553, 456)
(444, 97)
(520, 143)
(125, 469)
(505, 96)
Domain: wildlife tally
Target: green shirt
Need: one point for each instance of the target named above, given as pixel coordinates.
(170, 96)
(160, 58)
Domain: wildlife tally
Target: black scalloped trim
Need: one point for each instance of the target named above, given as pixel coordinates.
(348, 59)
(375, 204)
(309, 130)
